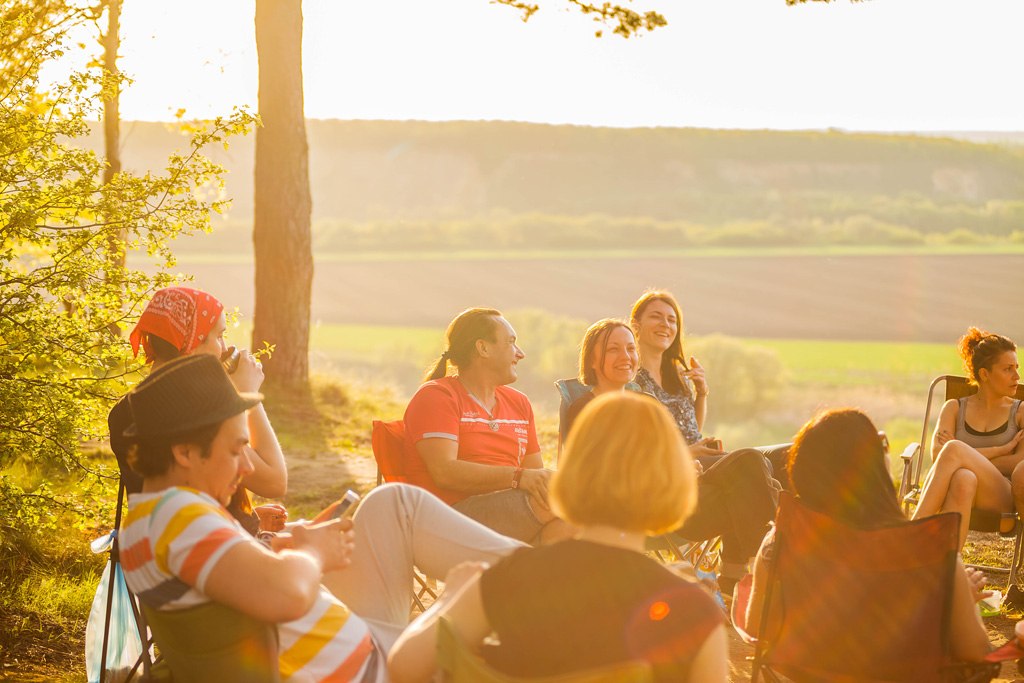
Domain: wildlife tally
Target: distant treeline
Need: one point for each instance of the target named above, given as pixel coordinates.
(539, 231)
(441, 173)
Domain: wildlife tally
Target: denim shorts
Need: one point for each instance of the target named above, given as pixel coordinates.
(508, 512)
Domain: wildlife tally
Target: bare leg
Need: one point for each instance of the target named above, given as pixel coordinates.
(963, 488)
(991, 489)
(1017, 487)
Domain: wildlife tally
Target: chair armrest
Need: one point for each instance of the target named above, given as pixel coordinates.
(910, 451)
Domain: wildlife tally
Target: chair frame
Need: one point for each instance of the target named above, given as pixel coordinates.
(950, 670)
(392, 471)
(913, 457)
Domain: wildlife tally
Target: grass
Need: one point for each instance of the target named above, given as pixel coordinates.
(807, 362)
(47, 580)
(893, 366)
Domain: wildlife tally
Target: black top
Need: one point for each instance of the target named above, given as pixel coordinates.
(576, 407)
(577, 605)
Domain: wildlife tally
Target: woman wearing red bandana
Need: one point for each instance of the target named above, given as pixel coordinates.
(180, 321)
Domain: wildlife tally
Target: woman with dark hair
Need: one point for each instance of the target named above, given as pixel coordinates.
(181, 321)
(977, 438)
(837, 466)
(738, 494)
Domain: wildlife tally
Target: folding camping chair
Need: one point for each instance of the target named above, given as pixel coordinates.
(459, 664)
(213, 643)
(387, 440)
(145, 668)
(847, 604)
(670, 547)
(913, 457)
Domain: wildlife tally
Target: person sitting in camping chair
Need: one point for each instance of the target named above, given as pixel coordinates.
(837, 468)
(587, 604)
(472, 440)
(181, 321)
(181, 549)
(978, 439)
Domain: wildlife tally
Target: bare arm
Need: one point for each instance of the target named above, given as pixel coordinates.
(413, 658)
(757, 592)
(1004, 457)
(712, 660)
(968, 636)
(269, 477)
(282, 586)
(699, 379)
(441, 456)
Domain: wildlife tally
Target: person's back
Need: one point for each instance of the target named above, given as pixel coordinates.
(578, 605)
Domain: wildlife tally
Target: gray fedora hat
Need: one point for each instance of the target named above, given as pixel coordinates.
(183, 395)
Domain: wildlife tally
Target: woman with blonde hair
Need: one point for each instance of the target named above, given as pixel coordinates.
(977, 438)
(597, 599)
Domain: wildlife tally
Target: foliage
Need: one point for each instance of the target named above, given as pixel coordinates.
(746, 378)
(532, 232)
(62, 302)
(627, 21)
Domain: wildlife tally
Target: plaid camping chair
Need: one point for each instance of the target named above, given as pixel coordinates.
(846, 604)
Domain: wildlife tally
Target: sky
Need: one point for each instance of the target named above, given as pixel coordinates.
(914, 65)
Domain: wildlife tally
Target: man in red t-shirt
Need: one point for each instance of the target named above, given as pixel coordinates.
(472, 440)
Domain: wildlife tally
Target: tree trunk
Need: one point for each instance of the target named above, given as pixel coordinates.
(110, 40)
(282, 207)
(111, 105)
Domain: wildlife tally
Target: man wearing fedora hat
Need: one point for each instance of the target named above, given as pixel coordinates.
(180, 548)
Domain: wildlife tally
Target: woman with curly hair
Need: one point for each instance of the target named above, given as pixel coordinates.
(978, 437)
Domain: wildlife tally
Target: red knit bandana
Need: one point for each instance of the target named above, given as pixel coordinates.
(181, 316)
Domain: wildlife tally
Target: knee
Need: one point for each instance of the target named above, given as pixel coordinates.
(387, 496)
(951, 454)
(752, 462)
(1017, 481)
(963, 486)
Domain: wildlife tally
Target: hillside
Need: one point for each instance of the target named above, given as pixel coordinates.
(382, 170)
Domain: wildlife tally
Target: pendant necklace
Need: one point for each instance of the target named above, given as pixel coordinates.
(491, 422)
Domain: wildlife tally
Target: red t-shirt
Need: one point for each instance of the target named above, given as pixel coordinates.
(443, 409)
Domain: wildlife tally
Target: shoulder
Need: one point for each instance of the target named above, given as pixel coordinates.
(436, 391)
(514, 396)
(185, 506)
(950, 408)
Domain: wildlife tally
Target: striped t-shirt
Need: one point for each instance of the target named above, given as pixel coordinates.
(171, 540)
